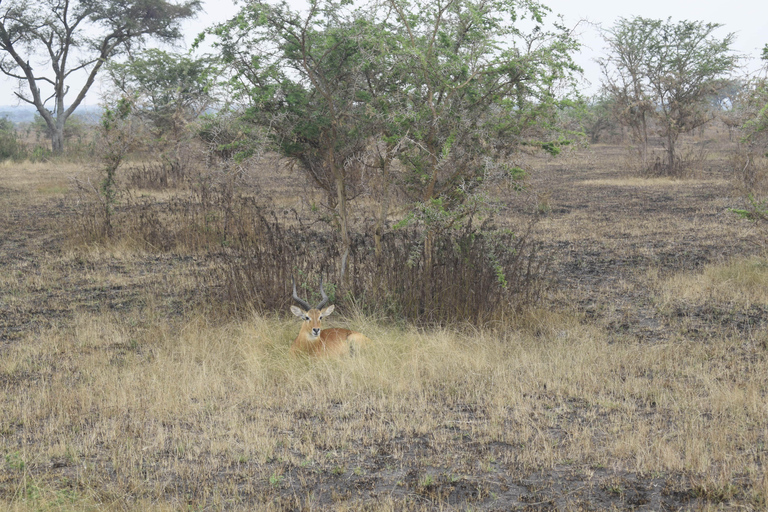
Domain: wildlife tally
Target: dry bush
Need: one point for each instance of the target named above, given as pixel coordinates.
(750, 173)
(205, 215)
(476, 275)
(157, 176)
(750, 179)
(689, 162)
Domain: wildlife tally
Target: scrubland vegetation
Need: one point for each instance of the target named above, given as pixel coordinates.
(566, 296)
(136, 378)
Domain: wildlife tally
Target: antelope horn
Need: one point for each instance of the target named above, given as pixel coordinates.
(322, 293)
(302, 303)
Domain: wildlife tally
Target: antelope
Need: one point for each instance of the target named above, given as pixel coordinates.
(315, 341)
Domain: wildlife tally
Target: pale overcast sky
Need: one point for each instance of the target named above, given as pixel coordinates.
(748, 19)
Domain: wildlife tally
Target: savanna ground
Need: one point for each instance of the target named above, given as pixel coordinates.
(640, 384)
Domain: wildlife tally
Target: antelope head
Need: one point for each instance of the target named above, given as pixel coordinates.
(311, 315)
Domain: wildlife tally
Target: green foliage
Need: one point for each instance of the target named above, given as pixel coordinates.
(276, 479)
(451, 91)
(554, 147)
(667, 72)
(437, 215)
(229, 136)
(10, 146)
(474, 87)
(92, 32)
(40, 154)
(170, 90)
(292, 71)
(117, 141)
(755, 127)
(592, 118)
(756, 212)
(14, 461)
(300, 77)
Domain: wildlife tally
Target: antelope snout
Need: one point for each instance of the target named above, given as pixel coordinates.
(315, 332)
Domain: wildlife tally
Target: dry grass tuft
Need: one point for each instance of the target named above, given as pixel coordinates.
(743, 282)
(44, 178)
(637, 181)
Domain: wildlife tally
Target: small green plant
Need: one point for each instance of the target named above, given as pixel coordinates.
(275, 479)
(33, 492)
(426, 481)
(118, 140)
(756, 211)
(14, 461)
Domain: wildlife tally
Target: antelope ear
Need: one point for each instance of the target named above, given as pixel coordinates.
(327, 311)
(298, 312)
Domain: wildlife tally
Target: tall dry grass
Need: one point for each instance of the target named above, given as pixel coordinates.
(740, 282)
(141, 412)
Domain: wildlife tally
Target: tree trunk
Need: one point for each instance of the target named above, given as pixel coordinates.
(670, 152)
(645, 142)
(383, 207)
(57, 139)
(341, 196)
(428, 196)
(341, 199)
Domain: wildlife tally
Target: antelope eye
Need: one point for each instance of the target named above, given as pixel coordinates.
(306, 317)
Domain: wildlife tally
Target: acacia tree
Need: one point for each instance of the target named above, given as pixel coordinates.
(473, 89)
(623, 79)
(299, 75)
(668, 71)
(74, 36)
(451, 89)
(169, 92)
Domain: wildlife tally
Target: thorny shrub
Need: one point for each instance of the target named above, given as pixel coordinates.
(470, 273)
(750, 162)
(475, 274)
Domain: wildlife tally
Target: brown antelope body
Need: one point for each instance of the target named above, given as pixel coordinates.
(315, 341)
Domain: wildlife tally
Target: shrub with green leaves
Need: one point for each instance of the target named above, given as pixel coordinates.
(10, 145)
(751, 160)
